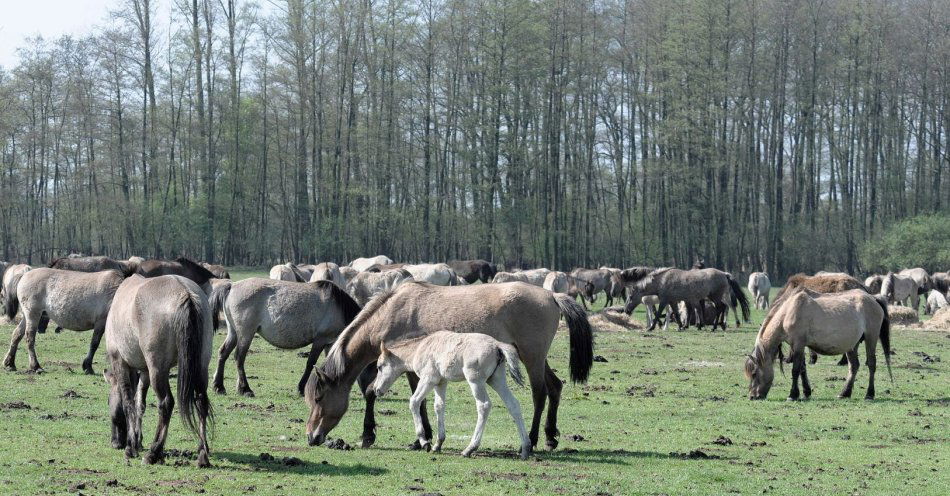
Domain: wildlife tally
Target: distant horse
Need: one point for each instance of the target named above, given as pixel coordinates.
(367, 285)
(385, 267)
(155, 324)
(348, 273)
(181, 266)
(503, 276)
(362, 264)
(941, 282)
(616, 289)
(78, 301)
(873, 283)
(439, 274)
(935, 301)
(94, 264)
(830, 324)
(559, 282)
(759, 286)
(921, 277)
(218, 270)
(474, 270)
(513, 313)
(11, 277)
(535, 277)
(288, 316)
(599, 280)
(689, 286)
(900, 290)
(286, 272)
(328, 271)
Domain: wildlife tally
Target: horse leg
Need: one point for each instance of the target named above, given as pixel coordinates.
(871, 362)
(140, 398)
(806, 386)
(31, 327)
(126, 380)
(853, 366)
(439, 405)
(426, 426)
(498, 382)
(239, 356)
(223, 353)
(366, 379)
(97, 333)
(315, 351)
(483, 406)
(554, 386)
(10, 361)
(794, 394)
(538, 379)
(416, 403)
(843, 361)
(166, 403)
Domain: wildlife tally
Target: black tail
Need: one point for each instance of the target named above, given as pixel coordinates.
(192, 371)
(219, 295)
(738, 294)
(885, 335)
(581, 337)
(11, 301)
(347, 304)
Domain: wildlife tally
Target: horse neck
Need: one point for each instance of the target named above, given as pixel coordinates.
(770, 339)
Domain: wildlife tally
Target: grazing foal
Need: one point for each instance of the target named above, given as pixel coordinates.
(449, 356)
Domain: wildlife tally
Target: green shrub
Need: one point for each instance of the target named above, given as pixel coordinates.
(922, 241)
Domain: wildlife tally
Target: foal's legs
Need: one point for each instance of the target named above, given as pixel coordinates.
(223, 353)
(439, 405)
(427, 428)
(853, 365)
(366, 379)
(315, 351)
(166, 403)
(498, 382)
(483, 405)
(97, 333)
(415, 405)
(554, 386)
(10, 361)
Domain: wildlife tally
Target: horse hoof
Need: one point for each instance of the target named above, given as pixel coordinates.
(247, 393)
(10, 368)
(203, 461)
(869, 398)
(219, 389)
(792, 398)
(551, 444)
(427, 447)
(35, 370)
(467, 453)
(368, 441)
(89, 371)
(152, 458)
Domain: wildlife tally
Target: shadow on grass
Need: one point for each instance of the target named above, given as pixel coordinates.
(296, 466)
(604, 456)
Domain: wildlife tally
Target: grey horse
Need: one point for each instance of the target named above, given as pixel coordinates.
(94, 264)
(365, 286)
(689, 286)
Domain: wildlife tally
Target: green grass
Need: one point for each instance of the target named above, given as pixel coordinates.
(660, 395)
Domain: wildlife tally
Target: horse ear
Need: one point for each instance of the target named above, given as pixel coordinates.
(383, 352)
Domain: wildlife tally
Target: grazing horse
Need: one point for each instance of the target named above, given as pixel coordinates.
(362, 264)
(759, 286)
(474, 270)
(616, 289)
(689, 286)
(828, 323)
(94, 264)
(218, 270)
(180, 267)
(514, 313)
(503, 276)
(288, 316)
(155, 324)
(367, 285)
(78, 301)
(444, 357)
(900, 289)
(873, 283)
(935, 301)
(599, 280)
(328, 271)
(11, 278)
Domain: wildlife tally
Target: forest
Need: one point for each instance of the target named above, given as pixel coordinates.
(757, 134)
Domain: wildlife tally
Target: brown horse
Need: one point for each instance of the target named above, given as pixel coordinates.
(94, 264)
(515, 313)
(474, 270)
(180, 267)
(218, 270)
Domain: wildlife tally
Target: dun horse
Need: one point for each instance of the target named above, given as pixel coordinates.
(155, 324)
(690, 286)
(94, 264)
(515, 313)
(759, 286)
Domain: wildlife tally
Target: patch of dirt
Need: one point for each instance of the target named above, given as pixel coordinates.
(387, 413)
(644, 391)
(703, 363)
(927, 358)
(72, 394)
(902, 315)
(600, 359)
(338, 444)
(576, 437)
(15, 405)
(696, 454)
(723, 441)
(940, 402)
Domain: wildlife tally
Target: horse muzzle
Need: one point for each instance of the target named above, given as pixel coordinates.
(316, 438)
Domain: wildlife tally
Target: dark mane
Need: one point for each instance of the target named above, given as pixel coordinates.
(634, 274)
(334, 366)
(351, 309)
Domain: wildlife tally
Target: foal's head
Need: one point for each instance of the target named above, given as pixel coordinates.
(388, 368)
(760, 373)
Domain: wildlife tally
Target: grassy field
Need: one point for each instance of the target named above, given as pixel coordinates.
(665, 414)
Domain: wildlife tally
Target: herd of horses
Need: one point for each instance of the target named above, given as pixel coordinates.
(378, 320)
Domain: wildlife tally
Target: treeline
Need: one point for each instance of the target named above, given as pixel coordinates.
(758, 134)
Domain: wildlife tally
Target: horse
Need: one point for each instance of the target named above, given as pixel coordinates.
(217, 270)
(347, 273)
(474, 270)
(935, 301)
(873, 283)
(444, 357)
(899, 289)
(220, 289)
(559, 282)
(759, 286)
(690, 286)
(439, 274)
(535, 277)
(921, 277)
(286, 272)
(11, 278)
(599, 280)
(287, 315)
(328, 271)
(385, 267)
(94, 264)
(515, 313)
(616, 289)
(829, 324)
(362, 264)
(78, 301)
(181, 266)
(367, 285)
(156, 323)
(941, 282)
(502, 276)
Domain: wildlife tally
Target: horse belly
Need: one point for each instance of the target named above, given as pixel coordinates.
(286, 337)
(72, 316)
(834, 342)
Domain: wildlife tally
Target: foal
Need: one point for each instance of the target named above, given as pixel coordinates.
(449, 356)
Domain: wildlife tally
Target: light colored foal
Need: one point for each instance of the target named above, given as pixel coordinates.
(444, 357)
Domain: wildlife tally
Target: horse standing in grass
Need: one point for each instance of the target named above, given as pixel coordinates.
(830, 324)
(286, 272)
(516, 313)
(559, 282)
(155, 324)
(217, 270)
(935, 301)
(94, 264)
(444, 357)
(474, 270)
(598, 280)
(288, 316)
(690, 286)
(759, 286)
(78, 301)
(900, 290)
(362, 264)
(181, 266)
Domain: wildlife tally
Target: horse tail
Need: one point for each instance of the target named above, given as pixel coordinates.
(11, 301)
(192, 369)
(737, 294)
(219, 295)
(885, 335)
(509, 355)
(453, 278)
(581, 337)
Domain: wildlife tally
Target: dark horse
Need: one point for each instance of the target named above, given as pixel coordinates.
(93, 264)
(474, 270)
(181, 266)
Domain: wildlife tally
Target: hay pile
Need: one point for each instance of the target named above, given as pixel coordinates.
(940, 320)
(902, 315)
(612, 320)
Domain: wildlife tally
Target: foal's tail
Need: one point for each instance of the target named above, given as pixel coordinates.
(885, 334)
(219, 295)
(509, 354)
(739, 296)
(192, 368)
(581, 337)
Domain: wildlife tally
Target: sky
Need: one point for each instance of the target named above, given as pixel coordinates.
(20, 19)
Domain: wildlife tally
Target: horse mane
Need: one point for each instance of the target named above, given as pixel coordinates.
(335, 364)
(346, 302)
(186, 262)
(53, 262)
(634, 274)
